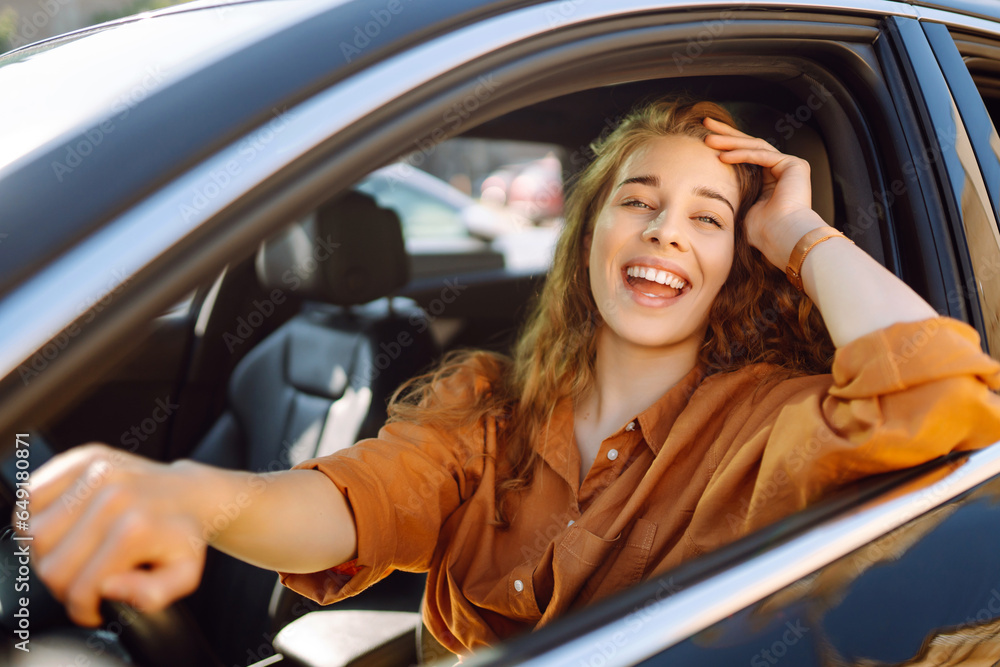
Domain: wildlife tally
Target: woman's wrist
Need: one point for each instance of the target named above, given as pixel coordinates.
(778, 241)
(203, 491)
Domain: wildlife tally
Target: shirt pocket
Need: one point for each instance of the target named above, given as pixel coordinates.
(599, 566)
(521, 595)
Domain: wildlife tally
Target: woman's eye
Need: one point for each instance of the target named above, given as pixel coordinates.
(635, 203)
(712, 220)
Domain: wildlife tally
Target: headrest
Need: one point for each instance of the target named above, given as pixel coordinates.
(349, 251)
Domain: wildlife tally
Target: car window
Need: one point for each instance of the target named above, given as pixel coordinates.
(494, 203)
(976, 95)
(419, 199)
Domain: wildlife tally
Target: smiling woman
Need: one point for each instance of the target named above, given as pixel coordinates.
(670, 393)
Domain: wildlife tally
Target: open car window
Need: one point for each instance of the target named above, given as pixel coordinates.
(479, 211)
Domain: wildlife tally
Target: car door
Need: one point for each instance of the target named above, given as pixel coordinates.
(921, 588)
(836, 75)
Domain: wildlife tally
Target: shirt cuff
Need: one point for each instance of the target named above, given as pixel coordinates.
(367, 500)
(908, 354)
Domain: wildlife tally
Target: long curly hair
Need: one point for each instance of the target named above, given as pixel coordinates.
(757, 317)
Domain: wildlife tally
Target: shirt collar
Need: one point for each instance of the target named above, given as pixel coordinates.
(657, 420)
(558, 444)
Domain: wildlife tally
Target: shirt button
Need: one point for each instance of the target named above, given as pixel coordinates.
(518, 585)
(631, 426)
(612, 454)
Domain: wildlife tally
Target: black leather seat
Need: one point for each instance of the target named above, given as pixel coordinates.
(320, 382)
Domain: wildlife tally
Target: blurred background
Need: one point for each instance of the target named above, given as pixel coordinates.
(26, 21)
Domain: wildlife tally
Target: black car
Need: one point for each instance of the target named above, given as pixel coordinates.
(159, 176)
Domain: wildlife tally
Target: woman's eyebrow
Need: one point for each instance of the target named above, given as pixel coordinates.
(702, 191)
(652, 181)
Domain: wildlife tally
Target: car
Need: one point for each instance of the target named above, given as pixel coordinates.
(447, 231)
(166, 182)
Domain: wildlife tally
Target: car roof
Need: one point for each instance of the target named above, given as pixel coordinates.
(220, 92)
(988, 9)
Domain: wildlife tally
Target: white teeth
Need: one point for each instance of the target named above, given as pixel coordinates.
(655, 275)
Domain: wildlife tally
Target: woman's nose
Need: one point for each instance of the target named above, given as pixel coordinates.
(665, 229)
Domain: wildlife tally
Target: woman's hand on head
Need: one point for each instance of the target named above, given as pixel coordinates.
(109, 524)
(783, 212)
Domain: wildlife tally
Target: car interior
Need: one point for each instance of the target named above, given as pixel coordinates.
(292, 352)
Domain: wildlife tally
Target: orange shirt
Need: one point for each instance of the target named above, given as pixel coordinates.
(712, 460)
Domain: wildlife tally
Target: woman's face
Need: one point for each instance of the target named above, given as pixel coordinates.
(662, 244)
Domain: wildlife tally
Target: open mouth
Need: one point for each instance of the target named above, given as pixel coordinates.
(654, 283)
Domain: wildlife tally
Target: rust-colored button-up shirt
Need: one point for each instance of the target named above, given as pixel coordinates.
(713, 459)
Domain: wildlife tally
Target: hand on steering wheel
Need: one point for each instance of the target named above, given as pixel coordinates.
(111, 525)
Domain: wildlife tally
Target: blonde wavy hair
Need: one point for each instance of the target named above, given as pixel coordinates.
(757, 316)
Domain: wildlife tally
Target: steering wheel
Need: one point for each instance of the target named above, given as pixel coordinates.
(152, 639)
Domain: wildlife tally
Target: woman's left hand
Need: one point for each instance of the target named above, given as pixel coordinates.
(783, 212)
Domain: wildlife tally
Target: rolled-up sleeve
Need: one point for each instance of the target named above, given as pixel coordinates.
(899, 397)
(401, 486)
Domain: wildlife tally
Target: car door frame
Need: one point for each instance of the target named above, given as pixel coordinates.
(235, 222)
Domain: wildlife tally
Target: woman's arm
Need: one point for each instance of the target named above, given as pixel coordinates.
(108, 524)
(854, 293)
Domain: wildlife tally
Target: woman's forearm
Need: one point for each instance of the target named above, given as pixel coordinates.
(292, 521)
(855, 294)
(109, 524)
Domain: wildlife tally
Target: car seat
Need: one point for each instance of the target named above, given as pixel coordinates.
(319, 383)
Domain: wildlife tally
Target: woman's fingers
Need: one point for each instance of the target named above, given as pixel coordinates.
(145, 566)
(154, 588)
(769, 159)
(723, 128)
(74, 470)
(724, 143)
(65, 555)
(107, 523)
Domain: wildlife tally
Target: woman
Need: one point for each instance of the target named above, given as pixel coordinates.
(669, 394)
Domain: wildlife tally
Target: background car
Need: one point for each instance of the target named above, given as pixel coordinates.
(448, 232)
(195, 157)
